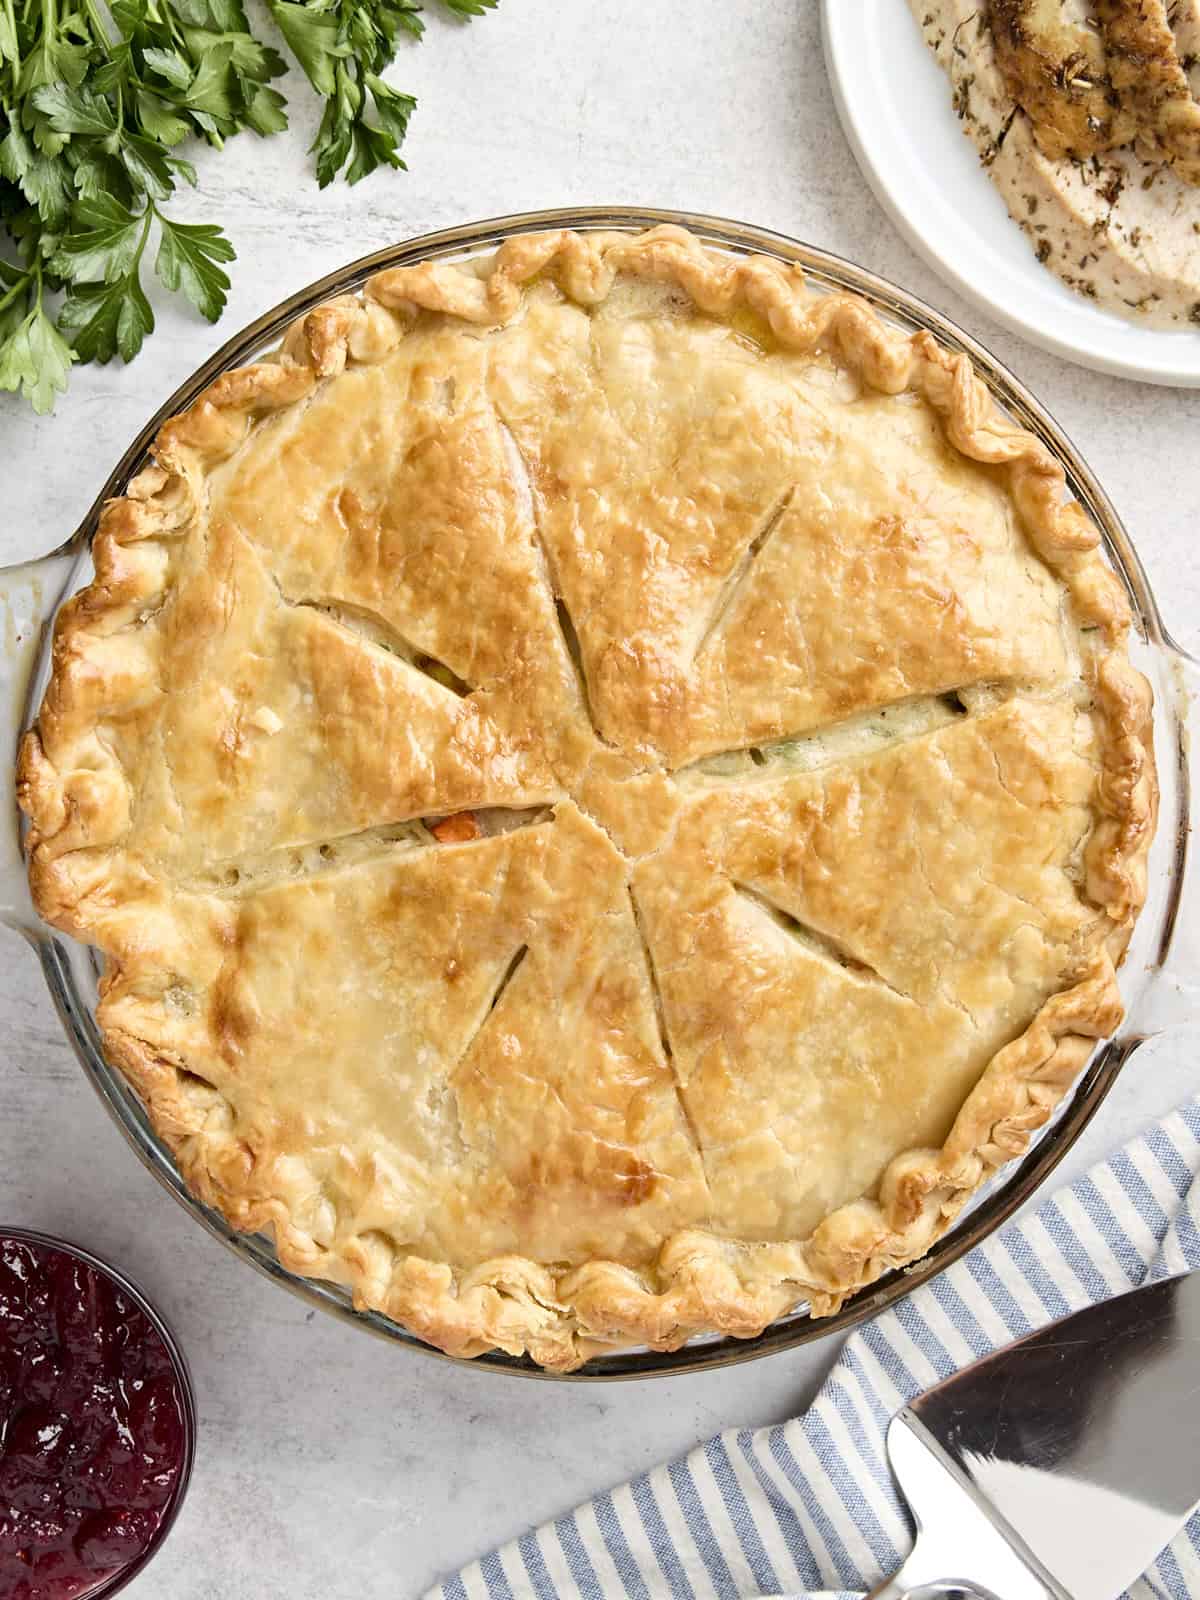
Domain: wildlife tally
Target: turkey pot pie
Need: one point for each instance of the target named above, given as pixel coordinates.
(610, 790)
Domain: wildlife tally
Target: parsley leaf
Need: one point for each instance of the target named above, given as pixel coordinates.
(158, 121)
(107, 318)
(188, 253)
(391, 107)
(147, 167)
(42, 179)
(168, 64)
(212, 87)
(314, 39)
(102, 244)
(35, 359)
(264, 110)
(77, 110)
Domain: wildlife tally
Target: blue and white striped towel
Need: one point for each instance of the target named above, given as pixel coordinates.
(809, 1506)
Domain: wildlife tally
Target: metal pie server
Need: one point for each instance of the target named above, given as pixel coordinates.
(1059, 1467)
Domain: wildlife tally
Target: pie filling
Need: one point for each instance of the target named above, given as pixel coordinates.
(377, 631)
(842, 741)
(249, 873)
(602, 827)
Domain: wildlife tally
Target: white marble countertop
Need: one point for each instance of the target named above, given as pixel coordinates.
(330, 1464)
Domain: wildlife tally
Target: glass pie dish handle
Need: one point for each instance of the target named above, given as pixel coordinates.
(1169, 998)
(29, 597)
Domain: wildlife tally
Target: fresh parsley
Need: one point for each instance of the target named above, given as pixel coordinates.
(96, 101)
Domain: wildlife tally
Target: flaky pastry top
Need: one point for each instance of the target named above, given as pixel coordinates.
(610, 789)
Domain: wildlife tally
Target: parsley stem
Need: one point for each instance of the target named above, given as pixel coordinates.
(20, 287)
(99, 26)
(150, 213)
(177, 32)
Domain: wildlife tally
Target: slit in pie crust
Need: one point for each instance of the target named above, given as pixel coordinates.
(610, 789)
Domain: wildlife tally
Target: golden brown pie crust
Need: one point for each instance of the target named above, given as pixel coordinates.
(809, 686)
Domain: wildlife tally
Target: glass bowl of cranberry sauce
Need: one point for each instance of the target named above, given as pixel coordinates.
(97, 1423)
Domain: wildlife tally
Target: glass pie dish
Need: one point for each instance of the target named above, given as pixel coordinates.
(1154, 997)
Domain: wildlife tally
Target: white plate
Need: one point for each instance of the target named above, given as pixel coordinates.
(894, 102)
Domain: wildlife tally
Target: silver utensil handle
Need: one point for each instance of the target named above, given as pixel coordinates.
(908, 1584)
(957, 1540)
(897, 1589)
(29, 596)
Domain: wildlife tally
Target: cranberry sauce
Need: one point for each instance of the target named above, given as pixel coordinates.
(93, 1429)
